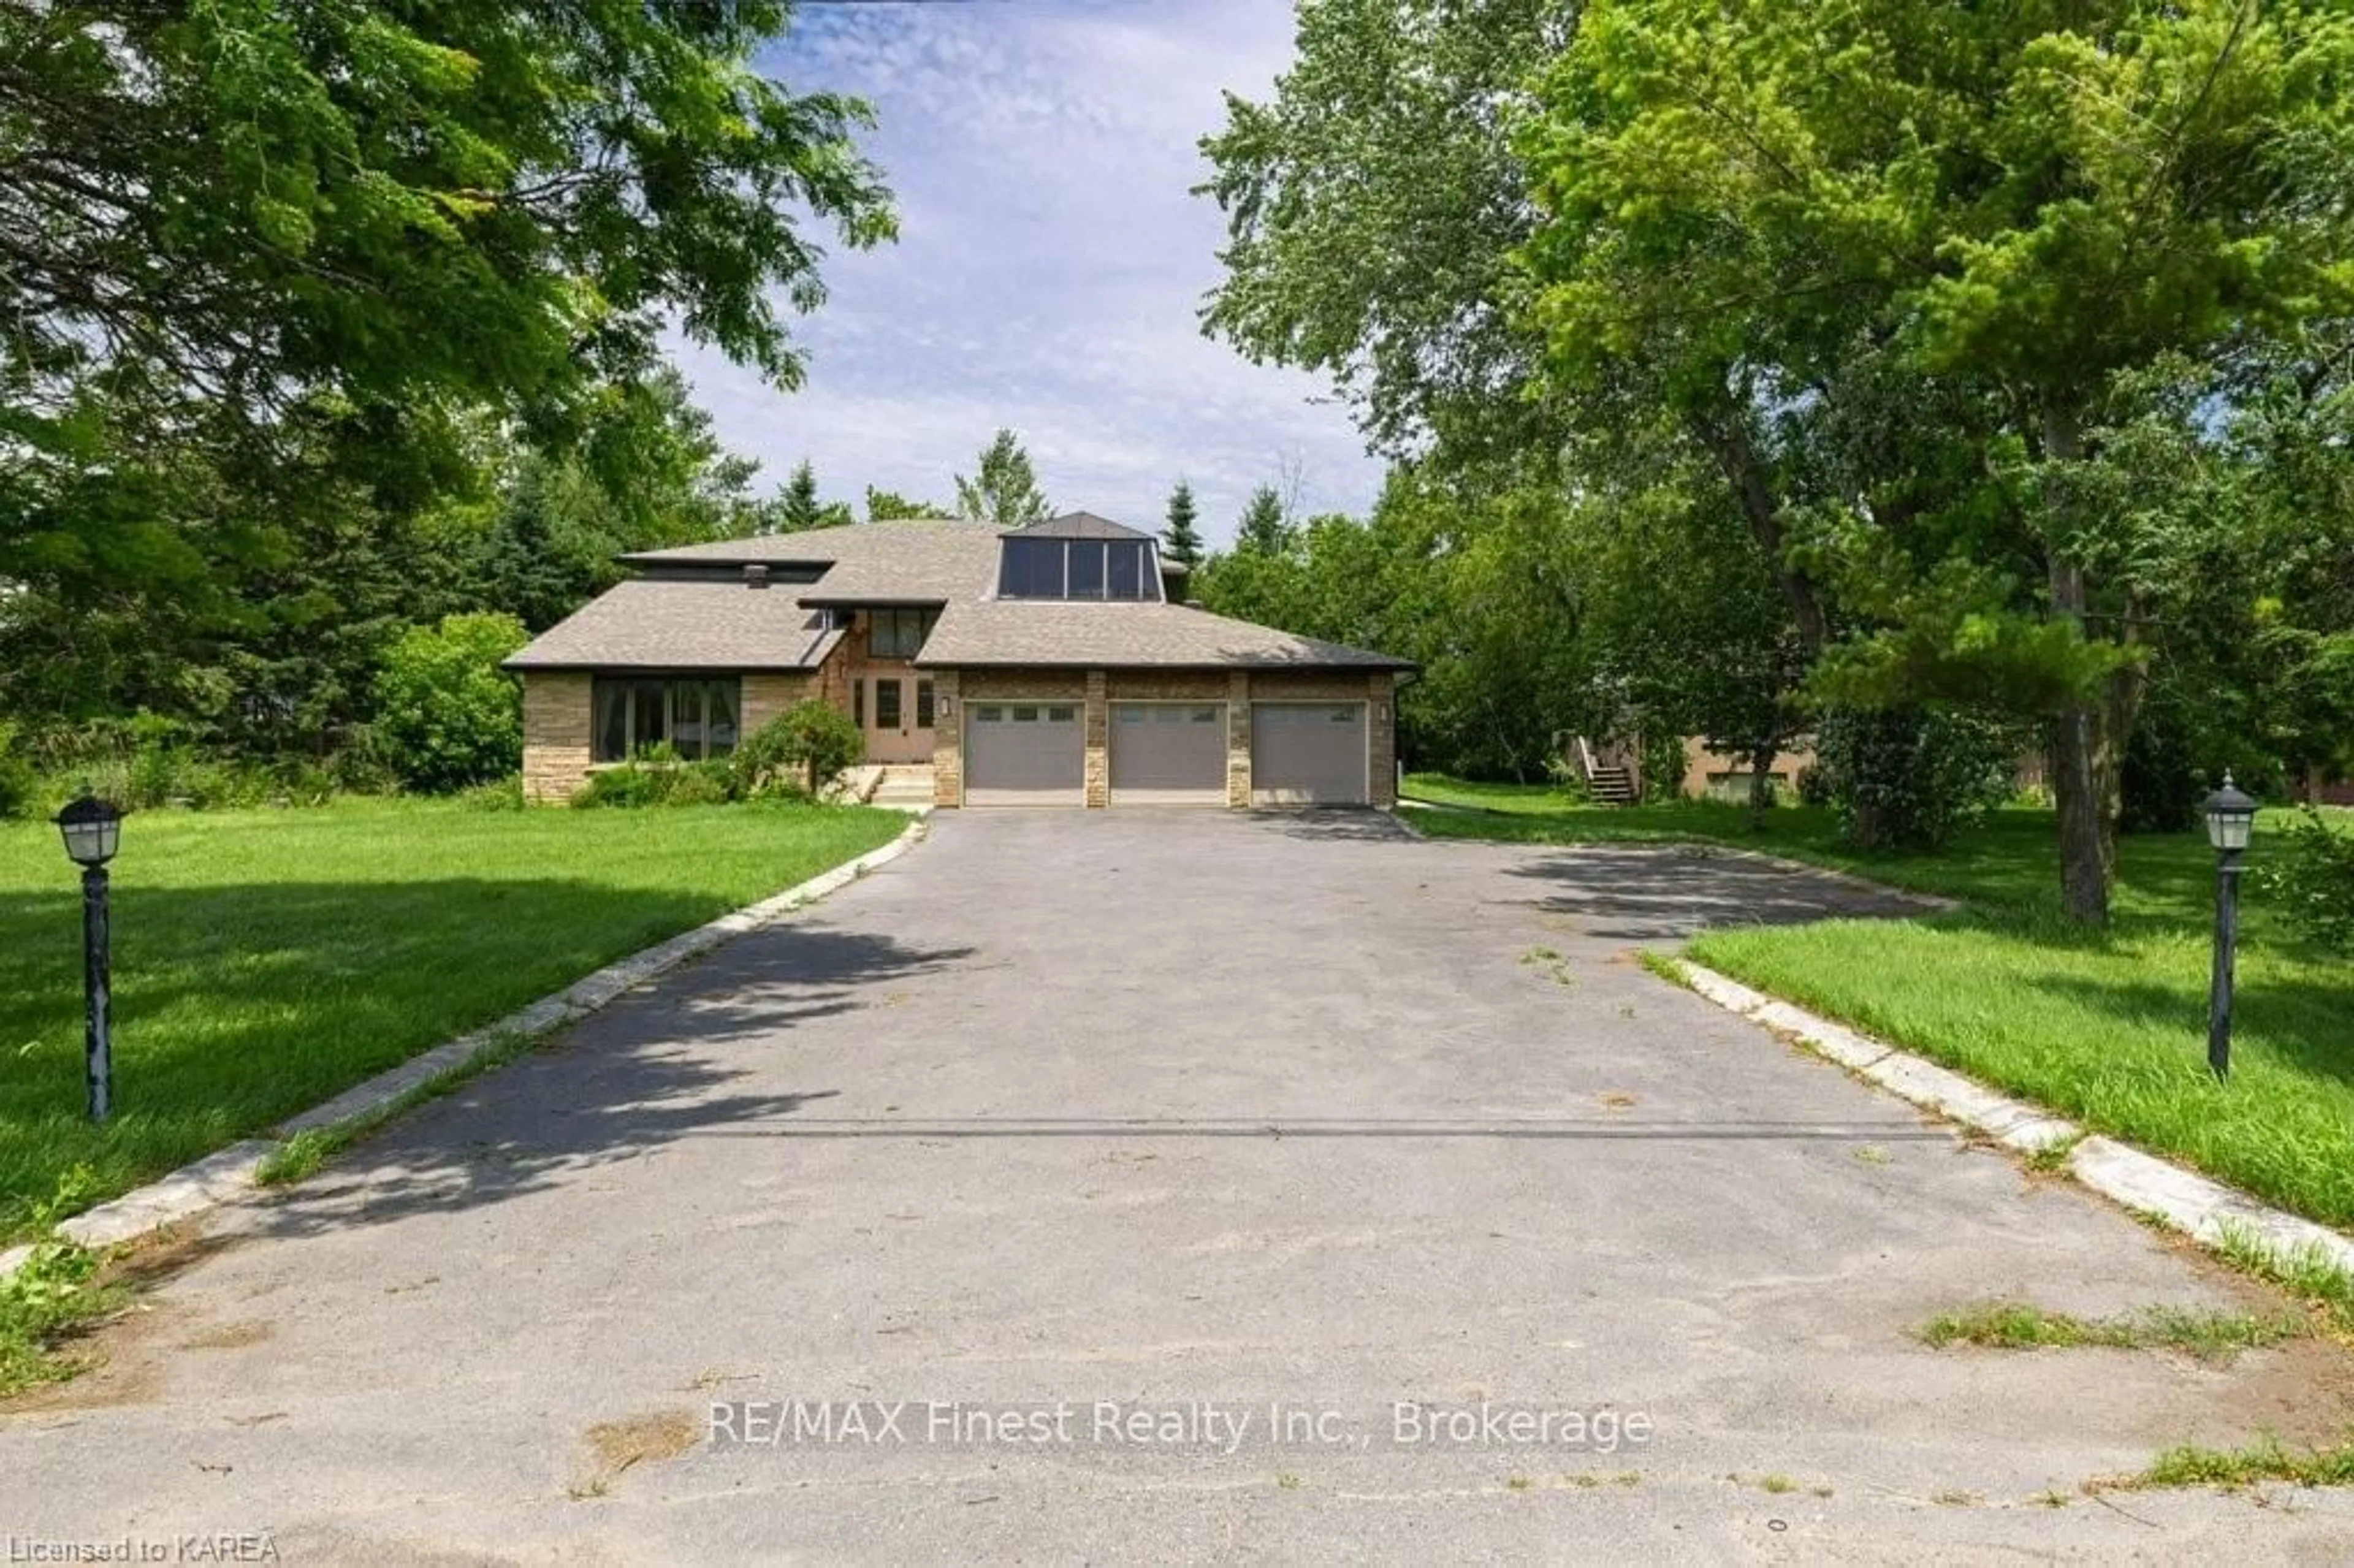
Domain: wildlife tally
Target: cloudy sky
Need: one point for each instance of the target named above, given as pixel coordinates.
(1049, 268)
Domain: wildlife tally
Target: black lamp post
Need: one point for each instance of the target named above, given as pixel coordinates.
(2231, 818)
(93, 830)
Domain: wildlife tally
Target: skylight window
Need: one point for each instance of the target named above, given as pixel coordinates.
(1078, 570)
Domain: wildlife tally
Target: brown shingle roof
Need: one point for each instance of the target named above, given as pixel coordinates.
(650, 624)
(710, 622)
(1127, 636)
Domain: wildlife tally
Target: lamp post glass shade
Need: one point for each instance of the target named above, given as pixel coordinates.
(2231, 817)
(92, 829)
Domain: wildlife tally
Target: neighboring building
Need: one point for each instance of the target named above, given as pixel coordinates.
(1035, 666)
(1710, 774)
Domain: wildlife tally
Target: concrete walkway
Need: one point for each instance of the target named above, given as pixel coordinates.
(1091, 1137)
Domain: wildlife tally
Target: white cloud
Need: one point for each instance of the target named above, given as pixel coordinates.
(1050, 267)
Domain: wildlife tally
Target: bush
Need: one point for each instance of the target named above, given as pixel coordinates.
(1910, 778)
(656, 778)
(803, 750)
(2310, 876)
(499, 795)
(20, 785)
(447, 715)
(1814, 786)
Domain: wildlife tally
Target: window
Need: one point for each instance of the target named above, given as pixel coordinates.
(898, 633)
(1076, 568)
(858, 701)
(927, 707)
(989, 715)
(1030, 569)
(1204, 716)
(1025, 715)
(1062, 715)
(886, 704)
(697, 717)
(1126, 571)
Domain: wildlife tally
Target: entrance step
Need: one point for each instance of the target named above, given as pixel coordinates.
(904, 786)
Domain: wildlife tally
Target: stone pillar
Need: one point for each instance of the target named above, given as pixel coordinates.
(1098, 732)
(1238, 740)
(1381, 740)
(948, 739)
(555, 726)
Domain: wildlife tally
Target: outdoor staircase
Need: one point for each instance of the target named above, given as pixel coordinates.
(1608, 783)
(1611, 785)
(904, 787)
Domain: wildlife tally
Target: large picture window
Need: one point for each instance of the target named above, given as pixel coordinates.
(698, 718)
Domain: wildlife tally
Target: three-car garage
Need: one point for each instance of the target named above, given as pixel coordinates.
(1166, 751)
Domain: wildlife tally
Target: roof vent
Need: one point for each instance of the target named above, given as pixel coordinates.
(754, 575)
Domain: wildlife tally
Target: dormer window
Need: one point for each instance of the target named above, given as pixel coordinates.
(1078, 570)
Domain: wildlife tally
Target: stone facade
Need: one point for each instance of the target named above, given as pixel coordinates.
(557, 717)
(767, 695)
(948, 739)
(555, 725)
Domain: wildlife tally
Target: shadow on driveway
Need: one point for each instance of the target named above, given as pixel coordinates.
(651, 1070)
(1647, 894)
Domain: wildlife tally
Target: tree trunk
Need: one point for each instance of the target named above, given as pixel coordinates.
(1761, 781)
(2088, 733)
(1727, 440)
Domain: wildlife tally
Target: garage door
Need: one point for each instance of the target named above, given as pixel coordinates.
(1168, 753)
(1307, 754)
(1023, 754)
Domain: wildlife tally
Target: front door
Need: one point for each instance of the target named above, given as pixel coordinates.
(899, 716)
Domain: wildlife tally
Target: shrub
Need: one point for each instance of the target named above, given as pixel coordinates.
(20, 785)
(1910, 778)
(447, 715)
(499, 795)
(656, 778)
(1814, 786)
(804, 748)
(2310, 876)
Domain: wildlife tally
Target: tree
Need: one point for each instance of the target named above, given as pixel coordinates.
(798, 509)
(1373, 207)
(1181, 541)
(882, 505)
(1005, 491)
(389, 214)
(1263, 529)
(1969, 236)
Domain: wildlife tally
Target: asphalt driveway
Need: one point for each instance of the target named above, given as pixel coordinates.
(1104, 1184)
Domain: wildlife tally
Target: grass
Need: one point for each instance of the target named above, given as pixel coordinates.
(2329, 1464)
(2018, 1326)
(264, 961)
(2107, 1027)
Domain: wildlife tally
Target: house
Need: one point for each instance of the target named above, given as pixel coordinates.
(1046, 665)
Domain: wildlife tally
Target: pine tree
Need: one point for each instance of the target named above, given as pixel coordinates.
(1006, 490)
(1263, 530)
(1181, 541)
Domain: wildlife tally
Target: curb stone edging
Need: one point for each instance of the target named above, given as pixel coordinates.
(229, 1172)
(2205, 1210)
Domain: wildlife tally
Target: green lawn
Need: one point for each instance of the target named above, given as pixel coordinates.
(266, 959)
(2109, 1028)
